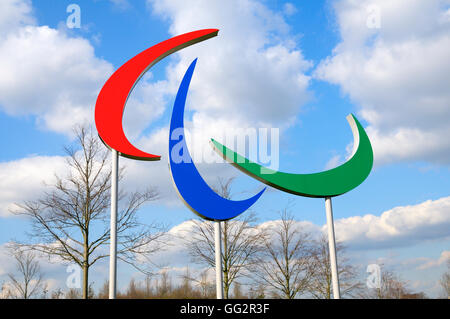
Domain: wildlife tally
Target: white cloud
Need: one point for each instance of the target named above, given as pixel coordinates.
(430, 263)
(289, 9)
(121, 4)
(333, 162)
(397, 75)
(56, 76)
(302, 226)
(252, 74)
(175, 254)
(51, 75)
(24, 179)
(146, 103)
(399, 226)
(13, 14)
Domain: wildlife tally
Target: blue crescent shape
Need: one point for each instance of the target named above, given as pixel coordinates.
(191, 187)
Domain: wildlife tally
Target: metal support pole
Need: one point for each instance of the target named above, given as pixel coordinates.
(113, 238)
(332, 247)
(218, 248)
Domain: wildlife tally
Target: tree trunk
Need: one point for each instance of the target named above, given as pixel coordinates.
(86, 268)
(85, 281)
(226, 283)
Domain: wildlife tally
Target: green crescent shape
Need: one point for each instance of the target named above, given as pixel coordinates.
(328, 183)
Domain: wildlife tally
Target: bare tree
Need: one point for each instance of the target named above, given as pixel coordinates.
(164, 284)
(284, 265)
(321, 285)
(258, 292)
(237, 291)
(201, 281)
(57, 294)
(240, 238)
(186, 283)
(73, 293)
(103, 292)
(28, 283)
(391, 286)
(4, 291)
(207, 286)
(71, 221)
(445, 281)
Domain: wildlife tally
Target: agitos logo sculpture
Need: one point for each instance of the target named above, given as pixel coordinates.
(191, 187)
(115, 92)
(333, 182)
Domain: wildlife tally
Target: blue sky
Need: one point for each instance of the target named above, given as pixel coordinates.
(322, 59)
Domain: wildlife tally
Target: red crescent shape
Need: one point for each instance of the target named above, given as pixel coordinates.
(113, 96)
